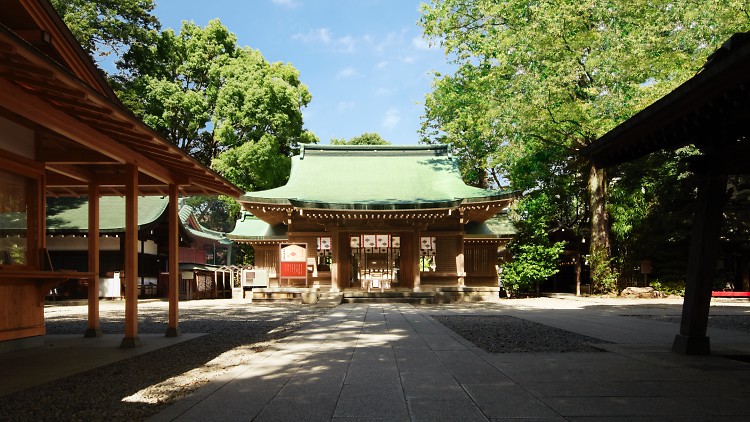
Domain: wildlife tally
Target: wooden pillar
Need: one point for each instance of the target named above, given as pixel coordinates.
(460, 262)
(578, 273)
(131, 258)
(745, 269)
(93, 329)
(173, 265)
(336, 246)
(417, 257)
(704, 246)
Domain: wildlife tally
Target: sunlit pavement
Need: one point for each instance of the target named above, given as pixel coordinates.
(393, 362)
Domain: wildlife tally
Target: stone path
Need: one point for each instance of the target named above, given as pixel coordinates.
(391, 362)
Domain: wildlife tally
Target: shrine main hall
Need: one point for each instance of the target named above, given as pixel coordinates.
(376, 218)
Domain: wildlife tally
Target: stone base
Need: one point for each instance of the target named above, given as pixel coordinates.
(21, 343)
(92, 332)
(130, 343)
(173, 332)
(467, 294)
(691, 345)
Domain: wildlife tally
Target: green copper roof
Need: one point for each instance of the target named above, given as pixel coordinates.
(250, 227)
(201, 232)
(72, 214)
(381, 177)
(497, 226)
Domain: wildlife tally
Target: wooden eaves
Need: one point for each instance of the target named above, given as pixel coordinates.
(86, 137)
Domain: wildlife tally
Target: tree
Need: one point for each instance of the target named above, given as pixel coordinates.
(534, 255)
(207, 95)
(556, 75)
(363, 139)
(105, 27)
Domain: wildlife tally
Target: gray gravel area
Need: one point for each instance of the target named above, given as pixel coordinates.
(726, 322)
(136, 388)
(507, 334)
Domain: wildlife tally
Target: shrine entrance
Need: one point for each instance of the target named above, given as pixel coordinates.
(375, 262)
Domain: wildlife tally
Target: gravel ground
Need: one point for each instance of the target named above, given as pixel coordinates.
(726, 322)
(137, 388)
(507, 334)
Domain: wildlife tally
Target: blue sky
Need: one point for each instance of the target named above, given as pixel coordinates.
(364, 61)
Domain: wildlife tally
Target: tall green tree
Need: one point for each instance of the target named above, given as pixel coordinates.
(556, 75)
(364, 139)
(106, 27)
(209, 96)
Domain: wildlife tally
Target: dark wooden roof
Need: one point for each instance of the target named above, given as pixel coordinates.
(710, 110)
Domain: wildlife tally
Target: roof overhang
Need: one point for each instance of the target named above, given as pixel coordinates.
(710, 111)
(86, 138)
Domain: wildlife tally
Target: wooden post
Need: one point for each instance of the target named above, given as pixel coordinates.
(745, 269)
(173, 265)
(704, 247)
(131, 258)
(93, 329)
(335, 245)
(460, 265)
(417, 257)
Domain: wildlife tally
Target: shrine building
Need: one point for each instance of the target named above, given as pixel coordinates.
(376, 217)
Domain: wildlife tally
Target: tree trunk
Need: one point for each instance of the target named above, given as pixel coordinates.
(600, 242)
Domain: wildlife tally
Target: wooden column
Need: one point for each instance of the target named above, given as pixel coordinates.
(745, 269)
(417, 257)
(173, 265)
(704, 247)
(460, 262)
(131, 258)
(93, 329)
(336, 246)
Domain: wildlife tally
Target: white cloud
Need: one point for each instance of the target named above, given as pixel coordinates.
(288, 3)
(349, 71)
(344, 105)
(382, 64)
(324, 36)
(391, 118)
(420, 43)
(383, 91)
(409, 59)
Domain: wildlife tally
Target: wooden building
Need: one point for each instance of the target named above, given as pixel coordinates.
(63, 132)
(376, 217)
(709, 111)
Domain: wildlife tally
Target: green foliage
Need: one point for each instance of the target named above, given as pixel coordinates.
(255, 166)
(105, 27)
(670, 288)
(364, 139)
(537, 81)
(651, 203)
(535, 257)
(208, 96)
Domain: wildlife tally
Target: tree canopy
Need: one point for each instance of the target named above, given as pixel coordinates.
(539, 80)
(105, 27)
(363, 139)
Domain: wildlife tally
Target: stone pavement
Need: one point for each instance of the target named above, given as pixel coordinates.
(391, 362)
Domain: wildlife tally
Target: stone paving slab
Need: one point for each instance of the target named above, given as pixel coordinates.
(393, 362)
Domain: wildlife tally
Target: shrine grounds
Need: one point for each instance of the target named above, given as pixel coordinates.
(545, 359)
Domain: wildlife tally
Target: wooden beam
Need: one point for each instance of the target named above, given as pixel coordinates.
(73, 156)
(9, 64)
(96, 120)
(72, 171)
(37, 84)
(41, 112)
(8, 48)
(65, 101)
(131, 258)
(173, 266)
(93, 329)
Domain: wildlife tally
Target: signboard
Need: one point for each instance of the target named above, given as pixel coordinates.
(354, 242)
(396, 242)
(383, 241)
(293, 260)
(324, 243)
